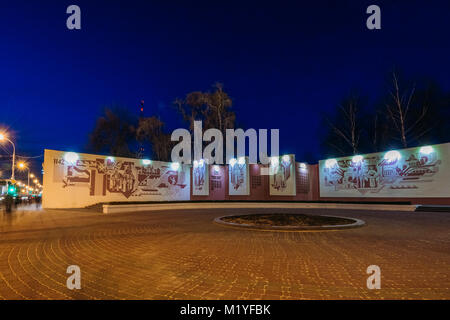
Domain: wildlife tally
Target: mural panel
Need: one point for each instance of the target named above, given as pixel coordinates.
(91, 179)
(238, 177)
(282, 176)
(413, 172)
(200, 178)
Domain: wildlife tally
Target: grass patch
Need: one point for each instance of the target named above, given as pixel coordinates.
(286, 219)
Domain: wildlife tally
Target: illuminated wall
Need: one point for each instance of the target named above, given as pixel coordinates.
(78, 180)
(200, 178)
(238, 177)
(282, 176)
(406, 173)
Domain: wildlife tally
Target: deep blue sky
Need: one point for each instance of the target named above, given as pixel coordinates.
(283, 63)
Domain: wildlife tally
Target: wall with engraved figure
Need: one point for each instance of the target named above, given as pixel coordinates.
(421, 172)
(79, 180)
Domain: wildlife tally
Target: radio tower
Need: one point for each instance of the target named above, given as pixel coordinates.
(141, 113)
(140, 153)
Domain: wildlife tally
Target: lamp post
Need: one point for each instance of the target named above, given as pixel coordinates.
(23, 166)
(3, 137)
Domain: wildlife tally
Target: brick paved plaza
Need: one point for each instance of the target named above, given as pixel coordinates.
(184, 255)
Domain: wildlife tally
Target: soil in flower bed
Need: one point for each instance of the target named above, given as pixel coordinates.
(286, 219)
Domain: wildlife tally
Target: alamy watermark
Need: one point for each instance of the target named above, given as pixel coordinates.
(74, 280)
(213, 152)
(374, 280)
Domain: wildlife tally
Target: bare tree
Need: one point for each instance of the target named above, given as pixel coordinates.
(213, 108)
(399, 110)
(218, 104)
(346, 127)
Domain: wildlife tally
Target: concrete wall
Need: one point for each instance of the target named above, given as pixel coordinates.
(306, 185)
(91, 179)
(419, 175)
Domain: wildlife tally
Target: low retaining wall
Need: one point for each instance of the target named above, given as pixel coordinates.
(112, 208)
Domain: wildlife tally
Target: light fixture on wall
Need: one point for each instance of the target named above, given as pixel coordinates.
(233, 161)
(241, 160)
(71, 157)
(392, 156)
(426, 150)
(330, 163)
(110, 159)
(357, 159)
(175, 166)
(274, 161)
(146, 162)
(303, 166)
(286, 158)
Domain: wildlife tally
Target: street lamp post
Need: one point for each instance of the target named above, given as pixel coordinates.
(22, 166)
(2, 137)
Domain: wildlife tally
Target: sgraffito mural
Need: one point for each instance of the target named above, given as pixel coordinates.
(238, 177)
(282, 176)
(414, 172)
(92, 179)
(200, 178)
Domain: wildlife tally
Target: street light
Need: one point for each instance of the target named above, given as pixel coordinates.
(3, 137)
(22, 166)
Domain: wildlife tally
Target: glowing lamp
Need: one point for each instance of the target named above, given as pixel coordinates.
(241, 160)
(71, 157)
(195, 163)
(274, 161)
(110, 159)
(175, 166)
(330, 163)
(392, 156)
(426, 150)
(146, 162)
(286, 158)
(357, 159)
(302, 165)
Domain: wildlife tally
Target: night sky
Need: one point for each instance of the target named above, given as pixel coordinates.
(285, 64)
